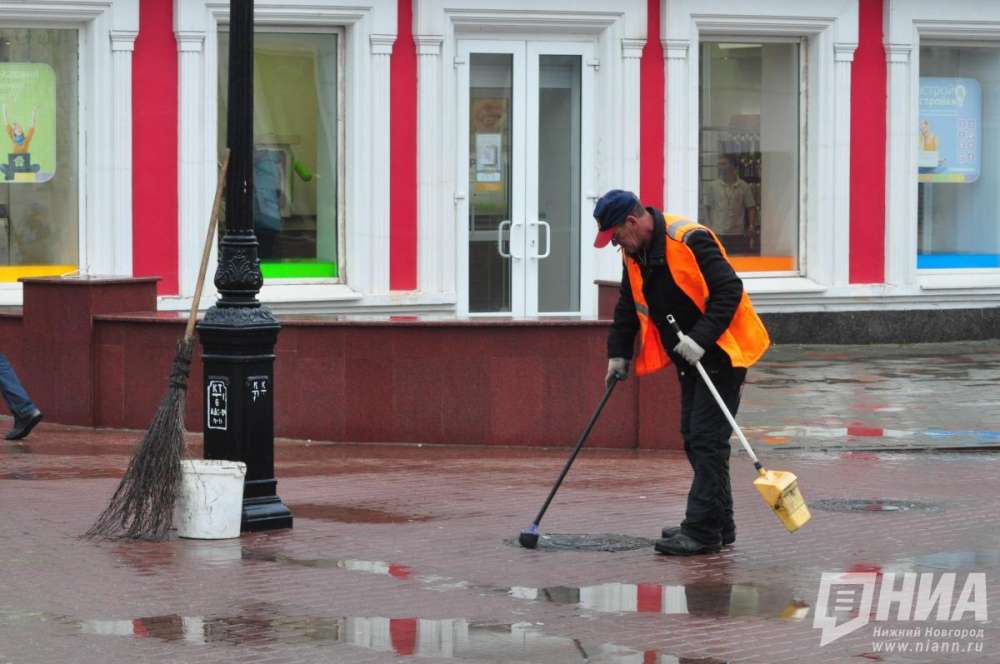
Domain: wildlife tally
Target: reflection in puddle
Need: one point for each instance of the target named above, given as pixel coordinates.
(778, 436)
(448, 638)
(954, 560)
(366, 566)
(697, 599)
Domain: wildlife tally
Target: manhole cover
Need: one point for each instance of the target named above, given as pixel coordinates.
(872, 505)
(598, 542)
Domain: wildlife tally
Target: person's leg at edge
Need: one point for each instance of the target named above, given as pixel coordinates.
(17, 399)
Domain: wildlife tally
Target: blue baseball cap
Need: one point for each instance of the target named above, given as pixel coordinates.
(610, 212)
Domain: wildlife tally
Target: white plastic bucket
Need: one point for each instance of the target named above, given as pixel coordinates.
(210, 501)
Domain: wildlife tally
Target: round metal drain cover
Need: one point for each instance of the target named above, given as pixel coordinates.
(597, 542)
(872, 505)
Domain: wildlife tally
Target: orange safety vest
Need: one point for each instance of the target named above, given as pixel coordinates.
(745, 340)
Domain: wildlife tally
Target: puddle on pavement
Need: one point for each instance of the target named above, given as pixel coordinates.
(404, 637)
(881, 505)
(953, 560)
(716, 600)
(366, 566)
(352, 514)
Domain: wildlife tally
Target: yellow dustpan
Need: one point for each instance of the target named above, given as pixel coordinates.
(778, 488)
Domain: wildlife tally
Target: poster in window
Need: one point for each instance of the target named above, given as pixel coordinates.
(488, 157)
(489, 127)
(950, 126)
(28, 106)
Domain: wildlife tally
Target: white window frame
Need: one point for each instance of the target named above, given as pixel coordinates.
(341, 277)
(830, 28)
(368, 31)
(617, 29)
(909, 23)
(107, 33)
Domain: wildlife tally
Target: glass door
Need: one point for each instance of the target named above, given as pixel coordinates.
(525, 139)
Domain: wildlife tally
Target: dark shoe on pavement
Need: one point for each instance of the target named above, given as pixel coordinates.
(683, 545)
(728, 536)
(24, 425)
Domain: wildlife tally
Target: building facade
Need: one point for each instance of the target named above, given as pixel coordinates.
(421, 157)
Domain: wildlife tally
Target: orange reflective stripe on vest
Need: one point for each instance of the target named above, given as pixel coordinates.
(744, 341)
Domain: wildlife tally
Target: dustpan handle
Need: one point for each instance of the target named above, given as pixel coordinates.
(718, 398)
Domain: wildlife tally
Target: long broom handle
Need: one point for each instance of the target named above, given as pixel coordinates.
(579, 446)
(718, 398)
(212, 223)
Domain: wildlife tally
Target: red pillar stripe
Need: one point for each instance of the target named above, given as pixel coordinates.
(154, 146)
(403, 147)
(403, 634)
(649, 598)
(868, 148)
(651, 111)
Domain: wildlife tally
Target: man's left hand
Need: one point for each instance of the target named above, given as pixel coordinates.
(689, 349)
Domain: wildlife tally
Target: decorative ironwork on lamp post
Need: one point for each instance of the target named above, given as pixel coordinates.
(238, 334)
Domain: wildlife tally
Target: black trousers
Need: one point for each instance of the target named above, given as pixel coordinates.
(706, 442)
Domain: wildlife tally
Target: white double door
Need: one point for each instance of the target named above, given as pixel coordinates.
(525, 154)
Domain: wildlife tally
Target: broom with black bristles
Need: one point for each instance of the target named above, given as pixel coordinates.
(143, 505)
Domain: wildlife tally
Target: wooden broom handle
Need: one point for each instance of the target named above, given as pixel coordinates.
(212, 223)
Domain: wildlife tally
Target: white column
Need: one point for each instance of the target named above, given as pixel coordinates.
(632, 98)
(841, 213)
(433, 226)
(901, 181)
(192, 178)
(377, 218)
(681, 186)
(119, 259)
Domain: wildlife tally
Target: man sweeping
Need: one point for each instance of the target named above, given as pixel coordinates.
(672, 265)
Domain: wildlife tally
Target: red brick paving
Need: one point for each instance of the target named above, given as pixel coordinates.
(400, 551)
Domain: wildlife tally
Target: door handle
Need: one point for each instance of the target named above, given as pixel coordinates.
(500, 238)
(548, 239)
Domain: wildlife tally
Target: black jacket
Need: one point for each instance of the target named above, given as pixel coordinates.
(664, 296)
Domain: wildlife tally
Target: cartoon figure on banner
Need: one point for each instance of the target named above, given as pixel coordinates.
(929, 155)
(19, 157)
(29, 110)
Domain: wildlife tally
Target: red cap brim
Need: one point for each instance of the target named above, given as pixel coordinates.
(604, 237)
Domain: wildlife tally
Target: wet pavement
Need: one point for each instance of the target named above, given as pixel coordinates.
(407, 553)
(907, 396)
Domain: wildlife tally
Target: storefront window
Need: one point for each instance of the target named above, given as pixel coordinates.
(958, 158)
(39, 184)
(491, 98)
(295, 151)
(749, 151)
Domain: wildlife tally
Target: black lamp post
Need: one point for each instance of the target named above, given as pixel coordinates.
(238, 334)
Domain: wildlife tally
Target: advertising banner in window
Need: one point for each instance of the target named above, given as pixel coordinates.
(28, 104)
(950, 127)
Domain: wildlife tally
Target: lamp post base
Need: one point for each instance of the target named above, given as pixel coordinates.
(265, 513)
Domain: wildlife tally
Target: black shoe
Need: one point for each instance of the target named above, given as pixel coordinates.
(683, 545)
(24, 425)
(728, 536)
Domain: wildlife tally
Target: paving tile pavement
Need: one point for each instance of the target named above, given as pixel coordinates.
(405, 552)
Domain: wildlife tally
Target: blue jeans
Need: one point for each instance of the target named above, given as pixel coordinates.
(13, 392)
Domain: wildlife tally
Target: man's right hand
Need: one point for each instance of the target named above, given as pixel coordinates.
(617, 370)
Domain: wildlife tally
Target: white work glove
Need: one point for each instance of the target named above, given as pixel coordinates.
(689, 349)
(617, 370)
